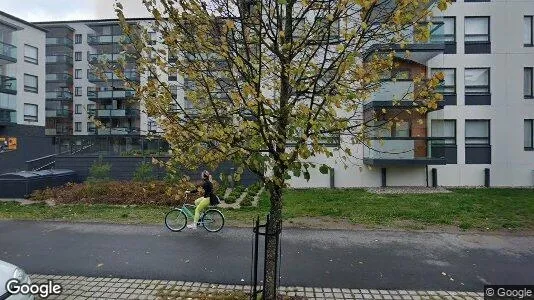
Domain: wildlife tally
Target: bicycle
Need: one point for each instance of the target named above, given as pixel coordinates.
(211, 219)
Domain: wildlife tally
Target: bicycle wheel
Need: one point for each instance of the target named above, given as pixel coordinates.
(213, 220)
(175, 220)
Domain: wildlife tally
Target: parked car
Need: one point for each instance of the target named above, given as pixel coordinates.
(7, 272)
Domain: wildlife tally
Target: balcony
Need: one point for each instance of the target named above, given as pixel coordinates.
(103, 58)
(60, 41)
(419, 51)
(401, 151)
(116, 113)
(395, 94)
(59, 77)
(118, 131)
(110, 76)
(59, 59)
(94, 95)
(8, 53)
(8, 85)
(59, 113)
(93, 39)
(59, 95)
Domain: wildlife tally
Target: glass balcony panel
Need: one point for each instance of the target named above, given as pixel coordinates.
(60, 41)
(9, 51)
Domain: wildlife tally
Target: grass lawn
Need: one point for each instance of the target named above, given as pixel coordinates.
(478, 209)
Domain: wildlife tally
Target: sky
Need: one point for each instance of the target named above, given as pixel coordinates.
(64, 10)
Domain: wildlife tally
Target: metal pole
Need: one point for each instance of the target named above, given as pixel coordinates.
(255, 258)
(265, 253)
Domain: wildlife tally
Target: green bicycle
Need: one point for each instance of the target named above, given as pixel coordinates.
(211, 219)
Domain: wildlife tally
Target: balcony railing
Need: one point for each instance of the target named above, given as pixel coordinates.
(107, 39)
(60, 41)
(8, 85)
(401, 150)
(8, 52)
(54, 131)
(99, 58)
(94, 95)
(58, 113)
(59, 77)
(59, 59)
(110, 76)
(116, 113)
(59, 95)
(118, 131)
(395, 94)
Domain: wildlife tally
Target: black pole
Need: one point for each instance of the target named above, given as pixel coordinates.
(384, 182)
(265, 255)
(255, 257)
(434, 177)
(487, 177)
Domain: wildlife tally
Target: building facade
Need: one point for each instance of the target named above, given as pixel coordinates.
(481, 134)
(22, 91)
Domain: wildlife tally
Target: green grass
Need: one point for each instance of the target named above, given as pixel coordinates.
(479, 209)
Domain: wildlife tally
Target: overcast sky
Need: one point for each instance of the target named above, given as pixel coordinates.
(63, 10)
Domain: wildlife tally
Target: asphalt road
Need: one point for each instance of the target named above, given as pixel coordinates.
(327, 258)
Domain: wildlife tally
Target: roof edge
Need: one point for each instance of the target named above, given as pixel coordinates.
(34, 25)
(90, 21)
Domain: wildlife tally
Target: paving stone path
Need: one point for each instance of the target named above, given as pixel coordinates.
(80, 287)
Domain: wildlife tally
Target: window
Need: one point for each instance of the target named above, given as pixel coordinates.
(445, 130)
(477, 81)
(78, 109)
(78, 74)
(448, 85)
(31, 54)
(444, 30)
(78, 91)
(78, 56)
(153, 38)
(528, 37)
(31, 83)
(477, 132)
(78, 126)
(78, 38)
(91, 127)
(477, 29)
(529, 135)
(30, 112)
(527, 83)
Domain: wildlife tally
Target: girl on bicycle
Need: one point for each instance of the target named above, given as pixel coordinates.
(203, 202)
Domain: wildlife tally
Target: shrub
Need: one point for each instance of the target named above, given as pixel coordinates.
(247, 201)
(99, 171)
(144, 172)
(230, 200)
(116, 192)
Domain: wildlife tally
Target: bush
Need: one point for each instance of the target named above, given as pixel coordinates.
(99, 171)
(247, 201)
(116, 192)
(230, 200)
(144, 172)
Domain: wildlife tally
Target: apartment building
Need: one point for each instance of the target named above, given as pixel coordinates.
(22, 90)
(483, 133)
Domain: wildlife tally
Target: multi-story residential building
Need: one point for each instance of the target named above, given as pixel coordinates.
(482, 133)
(22, 90)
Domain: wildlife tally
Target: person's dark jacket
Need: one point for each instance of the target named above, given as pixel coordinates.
(207, 186)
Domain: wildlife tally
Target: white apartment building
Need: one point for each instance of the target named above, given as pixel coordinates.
(22, 92)
(482, 134)
(486, 124)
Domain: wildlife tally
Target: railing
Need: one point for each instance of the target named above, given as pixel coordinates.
(60, 41)
(93, 39)
(399, 148)
(118, 131)
(9, 51)
(9, 117)
(59, 95)
(129, 112)
(58, 113)
(108, 95)
(54, 131)
(8, 85)
(59, 77)
(115, 57)
(110, 76)
(59, 59)
(394, 90)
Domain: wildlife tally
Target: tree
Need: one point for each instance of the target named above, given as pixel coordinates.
(268, 81)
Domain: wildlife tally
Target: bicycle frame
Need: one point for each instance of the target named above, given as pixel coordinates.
(189, 213)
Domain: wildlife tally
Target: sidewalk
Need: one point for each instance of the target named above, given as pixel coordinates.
(80, 287)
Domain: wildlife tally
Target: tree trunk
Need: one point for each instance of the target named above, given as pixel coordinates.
(271, 246)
